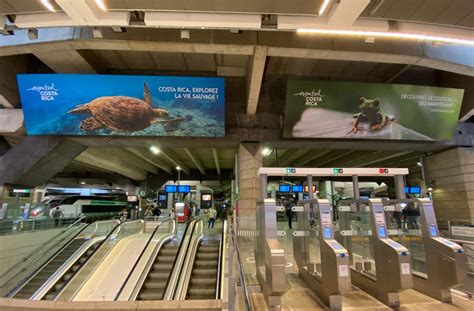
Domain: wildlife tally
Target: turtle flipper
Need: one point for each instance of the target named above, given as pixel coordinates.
(90, 124)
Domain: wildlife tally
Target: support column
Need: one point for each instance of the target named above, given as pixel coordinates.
(451, 175)
(249, 161)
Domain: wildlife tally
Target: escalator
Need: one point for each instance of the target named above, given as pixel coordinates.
(45, 272)
(202, 284)
(154, 286)
(56, 289)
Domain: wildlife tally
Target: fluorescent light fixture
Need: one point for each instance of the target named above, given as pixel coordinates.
(48, 5)
(101, 5)
(391, 35)
(324, 6)
(419, 164)
(155, 150)
(83, 182)
(178, 168)
(206, 20)
(266, 151)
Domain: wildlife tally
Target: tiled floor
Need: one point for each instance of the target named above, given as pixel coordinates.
(299, 298)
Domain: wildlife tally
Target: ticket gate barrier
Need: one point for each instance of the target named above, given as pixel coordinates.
(379, 266)
(437, 263)
(269, 255)
(323, 263)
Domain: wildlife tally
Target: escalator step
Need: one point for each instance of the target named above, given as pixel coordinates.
(155, 285)
(201, 291)
(210, 256)
(165, 258)
(203, 281)
(159, 275)
(150, 295)
(164, 266)
(207, 264)
(205, 271)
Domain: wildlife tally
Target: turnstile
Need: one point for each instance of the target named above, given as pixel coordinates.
(379, 266)
(438, 263)
(323, 263)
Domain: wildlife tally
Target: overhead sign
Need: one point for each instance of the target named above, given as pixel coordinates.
(325, 109)
(60, 104)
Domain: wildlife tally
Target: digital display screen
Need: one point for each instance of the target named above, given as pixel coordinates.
(415, 190)
(306, 188)
(327, 232)
(284, 188)
(297, 188)
(433, 231)
(305, 197)
(162, 197)
(206, 197)
(407, 189)
(132, 198)
(184, 189)
(382, 232)
(170, 188)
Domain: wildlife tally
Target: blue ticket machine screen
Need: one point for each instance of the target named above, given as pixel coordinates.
(327, 232)
(382, 232)
(433, 231)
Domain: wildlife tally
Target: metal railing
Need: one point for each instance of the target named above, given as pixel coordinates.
(243, 284)
(14, 226)
(41, 255)
(221, 261)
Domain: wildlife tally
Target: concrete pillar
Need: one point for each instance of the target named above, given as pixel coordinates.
(451, 175)
(249, 161)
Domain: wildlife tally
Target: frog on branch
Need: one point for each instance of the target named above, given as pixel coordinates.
(370, 113)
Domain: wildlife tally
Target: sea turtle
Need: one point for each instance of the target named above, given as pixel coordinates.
(121, 113)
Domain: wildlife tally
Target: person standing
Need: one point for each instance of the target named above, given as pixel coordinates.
(123, 215)
(212, 218)
(57, 215)
(187, 214)
(197, 210)
(289, 212)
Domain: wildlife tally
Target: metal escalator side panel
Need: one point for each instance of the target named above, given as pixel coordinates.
(88, 269)
(188, 266)
(221, 261)
(172, 283)
(26, 281)
(138, 275)
(51, 282)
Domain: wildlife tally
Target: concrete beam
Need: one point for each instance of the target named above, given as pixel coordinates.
(310, 156)
(228, 71)
(345, 13)
(254, 77)
(65, 61)
(4, 146)
(35, 160)
(171, 156)
(156, 162)
(195, 161)
(5, 103)
(113, 164)
(395, 155)
(216, 160)
(11, 121)
(291, 155)
(334, 159)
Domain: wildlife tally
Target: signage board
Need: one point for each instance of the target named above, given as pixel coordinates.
(97, 105)
(326, 109)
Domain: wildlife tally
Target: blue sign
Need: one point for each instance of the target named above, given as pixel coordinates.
(297, 188)
(184, 189)
(284, 188)
(61, 104)
(170, 188)
(415, 190)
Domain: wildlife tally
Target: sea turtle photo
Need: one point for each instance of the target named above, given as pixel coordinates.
(122, 113)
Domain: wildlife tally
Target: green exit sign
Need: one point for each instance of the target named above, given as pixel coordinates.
(337, 171)
(290, 170)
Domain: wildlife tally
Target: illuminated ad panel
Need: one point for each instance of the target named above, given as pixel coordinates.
(62, 104)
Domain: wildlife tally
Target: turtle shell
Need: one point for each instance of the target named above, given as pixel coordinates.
(122, 113)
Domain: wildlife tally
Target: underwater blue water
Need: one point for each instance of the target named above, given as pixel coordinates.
(46, 99)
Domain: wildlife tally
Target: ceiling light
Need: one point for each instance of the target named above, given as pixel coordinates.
(155, 150)
(185, 34)
(323, 7)
(48, 5)
(392, 35)
(419, 164)
(178, 168)
(101, 4)
(83, 182)
(429, 189)
(266, 151)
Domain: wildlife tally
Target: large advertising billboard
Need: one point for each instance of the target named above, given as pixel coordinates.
(325, 109)
(62, 104)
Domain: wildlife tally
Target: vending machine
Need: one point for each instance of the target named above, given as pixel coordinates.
(179, 207)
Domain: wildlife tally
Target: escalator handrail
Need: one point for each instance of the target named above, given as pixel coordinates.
(247, 303)
(112, 235)
(188, 263)
(12, 293)
(177, 265)
(150, 261)
(220, 261)
(36, 251)
(39, 294)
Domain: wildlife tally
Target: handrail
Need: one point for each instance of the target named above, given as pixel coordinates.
(40, 251)
(247, 303)
(36, 271)
(72, 260)
(186, 268)
(220, 261)
(177, 265)
(150, 261)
